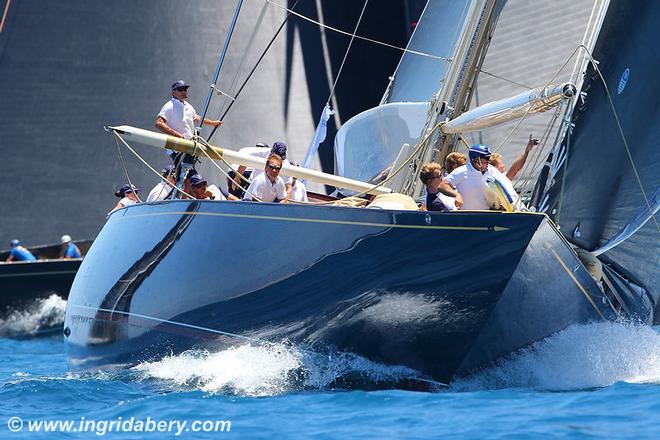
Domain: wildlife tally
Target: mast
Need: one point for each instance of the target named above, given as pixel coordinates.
(453, 94)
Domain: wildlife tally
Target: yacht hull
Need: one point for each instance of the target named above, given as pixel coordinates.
(442, 293)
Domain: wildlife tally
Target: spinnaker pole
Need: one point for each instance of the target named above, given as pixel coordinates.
(186, 146)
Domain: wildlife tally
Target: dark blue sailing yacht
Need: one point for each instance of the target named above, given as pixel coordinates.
(443, 293)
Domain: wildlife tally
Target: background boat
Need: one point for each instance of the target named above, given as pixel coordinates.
(26, 287)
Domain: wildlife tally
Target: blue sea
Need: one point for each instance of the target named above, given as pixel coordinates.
(592, 381)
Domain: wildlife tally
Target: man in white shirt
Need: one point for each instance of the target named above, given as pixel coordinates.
(162, 189)
(268, 186)
(201, 190)
(278, 148)
(236, 185)
(468, 183)
(177, 118)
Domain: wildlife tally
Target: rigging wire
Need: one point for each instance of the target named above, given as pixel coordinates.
(244, 57)
(123, 166)
(230, 32)
(136, 154)
(623, 136)
(263, 54)
(505, 79)
(538, 155)
(202, 141)
(414, 52)
(343, 61)
(520, 121)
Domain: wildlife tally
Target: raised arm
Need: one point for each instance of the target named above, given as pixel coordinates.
(517, 164)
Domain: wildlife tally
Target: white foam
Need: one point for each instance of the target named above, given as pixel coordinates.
(263, 370)
(41, 314)
(580, 357)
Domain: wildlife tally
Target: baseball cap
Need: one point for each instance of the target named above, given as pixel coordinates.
(121, 192)
(197, 180)
(65, 239)
(180, 84)
(279, 148)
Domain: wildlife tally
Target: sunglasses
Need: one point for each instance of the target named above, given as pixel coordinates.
(274, 168)
(184, 89)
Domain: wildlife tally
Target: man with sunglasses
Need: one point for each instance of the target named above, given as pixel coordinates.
(269, 186)
(177, 118)
(468, 183)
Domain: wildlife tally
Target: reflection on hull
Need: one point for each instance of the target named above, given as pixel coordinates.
(444, 294)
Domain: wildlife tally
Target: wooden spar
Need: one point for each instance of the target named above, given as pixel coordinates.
(164, 141)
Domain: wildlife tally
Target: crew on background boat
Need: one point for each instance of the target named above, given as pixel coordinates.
(201, 190)
(69, 249)
(516, 166)
(454, 160)
(19, 253)
(177, 118)
(127, 196)
(269, 186)
(162, 189)
(431, 176)
(468, 183)
(278, 148)
(236, 185)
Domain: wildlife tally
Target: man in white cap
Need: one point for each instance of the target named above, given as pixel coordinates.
(70, 250)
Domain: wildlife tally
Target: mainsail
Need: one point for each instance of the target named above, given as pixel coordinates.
(606, 180)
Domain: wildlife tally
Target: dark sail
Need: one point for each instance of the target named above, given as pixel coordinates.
(607, 191)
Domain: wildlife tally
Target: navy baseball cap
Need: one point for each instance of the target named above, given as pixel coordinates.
(279, 148)
(180, 84)
(125, 189)
(167, 170)
(197, 180)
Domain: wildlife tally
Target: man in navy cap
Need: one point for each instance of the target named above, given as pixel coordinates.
(177, 118)
(201, 190)
(278, 148)
(164, 187)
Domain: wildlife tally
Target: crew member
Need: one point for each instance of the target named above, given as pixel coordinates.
(279, 148)
(237, 185)
(19, 253)
(127, 196)
(467, 183)
(516, 166)
(431, 177)
(163, 188)
(70, 250)
(177, 118)
(268, 186)
(201, 190)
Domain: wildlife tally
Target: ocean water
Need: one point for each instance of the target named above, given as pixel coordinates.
(590, 381)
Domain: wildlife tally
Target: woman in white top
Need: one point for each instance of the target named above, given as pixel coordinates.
(128, 196)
